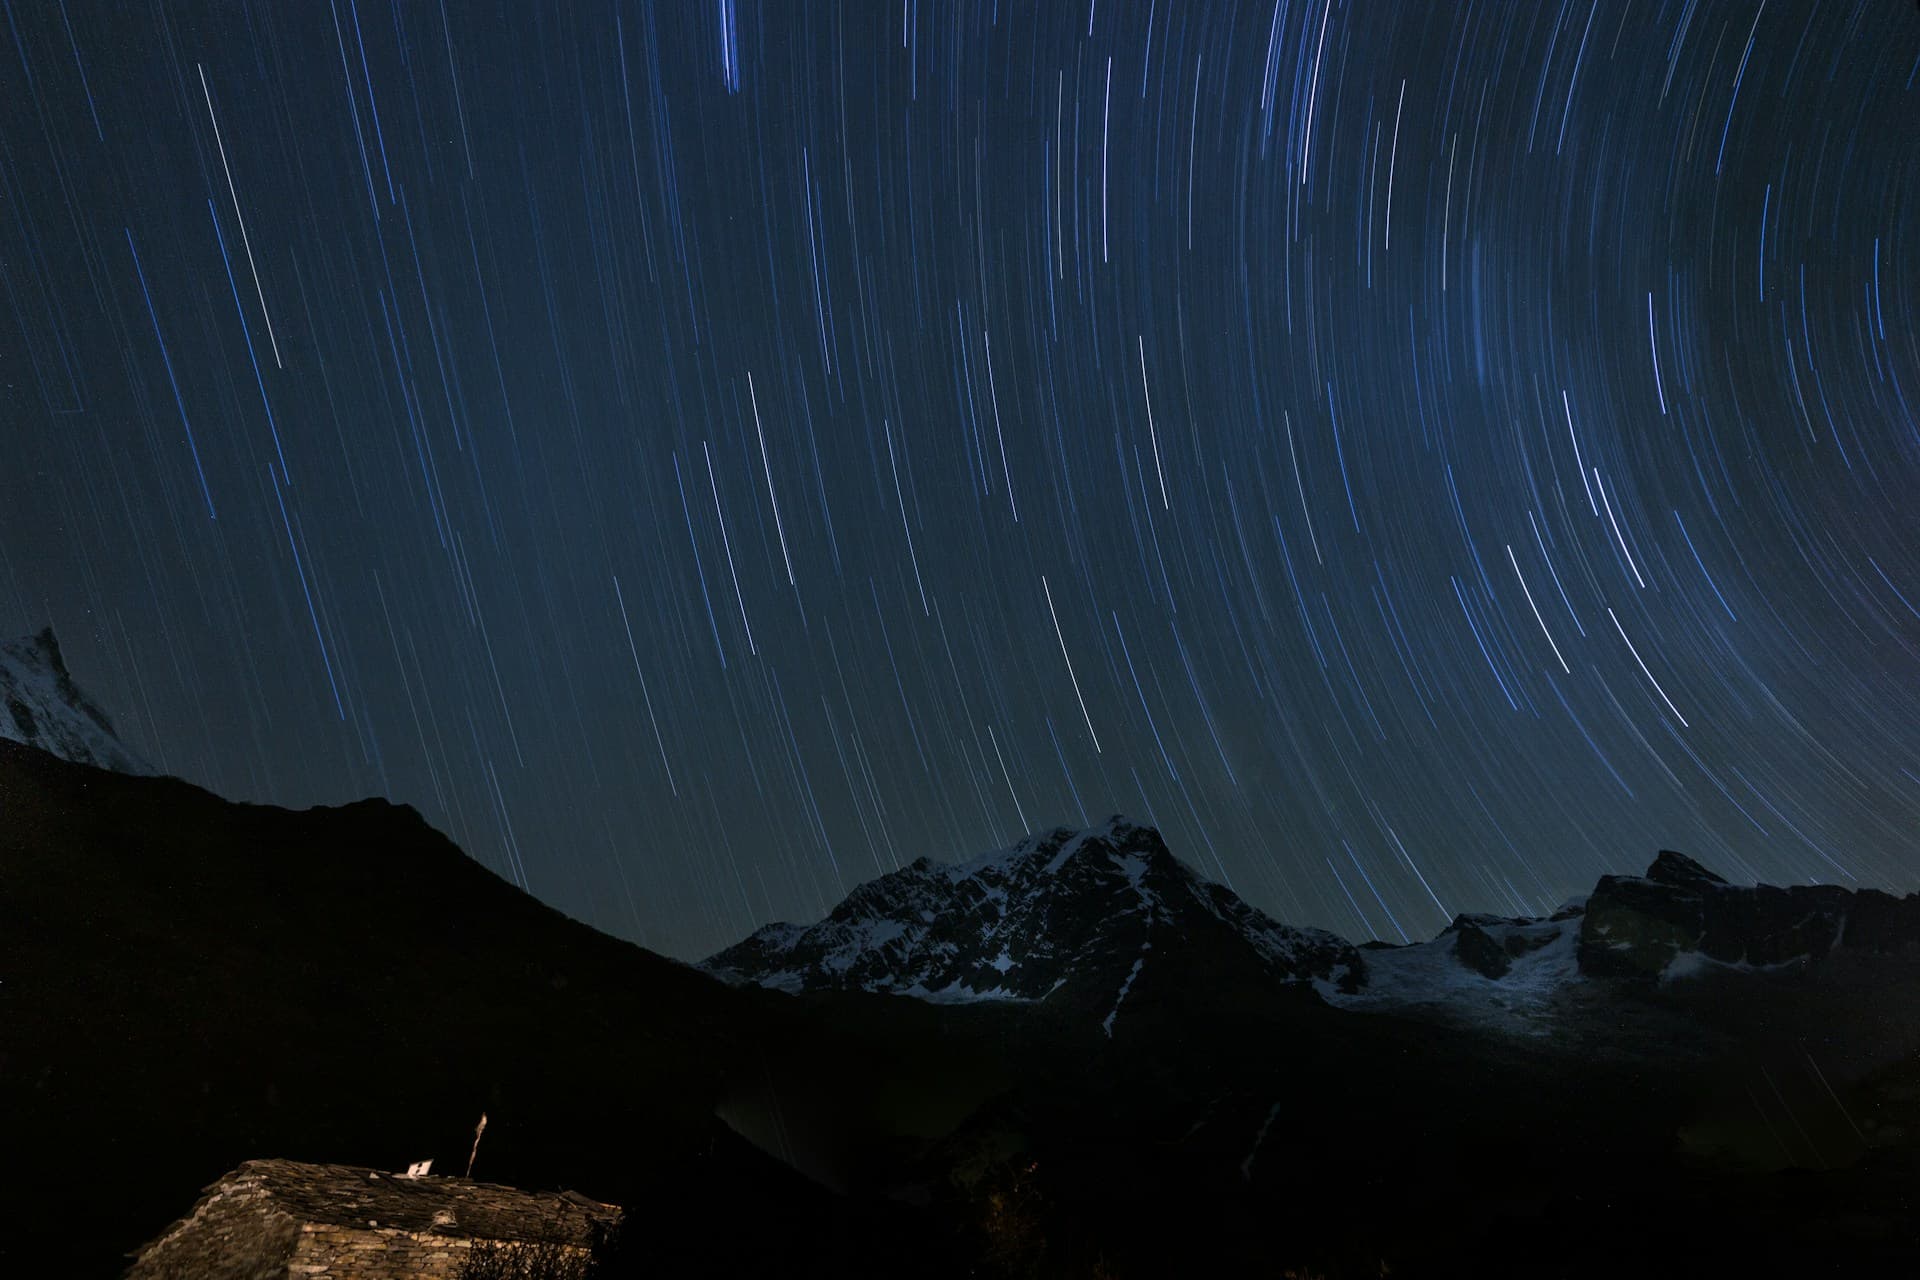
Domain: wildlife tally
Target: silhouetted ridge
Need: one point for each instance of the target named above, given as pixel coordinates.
(190, 983)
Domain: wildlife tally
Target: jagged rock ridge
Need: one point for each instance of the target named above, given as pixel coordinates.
(1681, 917)
(41, 706)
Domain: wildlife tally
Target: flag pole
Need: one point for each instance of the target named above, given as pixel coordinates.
(475, 1153)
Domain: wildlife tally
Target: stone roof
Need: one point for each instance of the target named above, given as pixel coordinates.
(346, 1196)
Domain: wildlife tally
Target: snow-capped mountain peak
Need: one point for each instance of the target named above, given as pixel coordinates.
(41, 706)
(1021, 922)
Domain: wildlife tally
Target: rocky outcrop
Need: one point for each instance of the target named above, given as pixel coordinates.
(1475, 948)
(1639, 927)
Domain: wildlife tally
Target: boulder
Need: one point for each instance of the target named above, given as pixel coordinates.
(1477, 950)
(1633, 927)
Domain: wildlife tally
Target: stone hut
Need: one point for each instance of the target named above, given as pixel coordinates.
(280, 1219)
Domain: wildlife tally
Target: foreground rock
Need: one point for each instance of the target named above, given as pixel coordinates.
(273, 1219)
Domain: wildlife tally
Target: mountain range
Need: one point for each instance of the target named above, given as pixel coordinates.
(1077, 1056)
(1093, 908)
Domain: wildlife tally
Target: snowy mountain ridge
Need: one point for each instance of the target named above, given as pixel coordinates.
(42, 707)
(1493, 972)
(1021, 922)
(1103, 906)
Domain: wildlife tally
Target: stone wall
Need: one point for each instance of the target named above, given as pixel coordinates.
(379, 1253)
(227, 1237)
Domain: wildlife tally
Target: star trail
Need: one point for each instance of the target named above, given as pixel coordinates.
(706, 455)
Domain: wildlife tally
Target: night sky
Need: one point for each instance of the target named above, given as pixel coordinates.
(703, 456)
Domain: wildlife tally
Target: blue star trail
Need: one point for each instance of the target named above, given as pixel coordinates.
(706, 455)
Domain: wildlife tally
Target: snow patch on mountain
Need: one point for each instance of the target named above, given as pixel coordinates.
(42, 707)
(1106, 1024)
(1067, 851)
(957, 993)
(1435, 979)
(1259, 1140)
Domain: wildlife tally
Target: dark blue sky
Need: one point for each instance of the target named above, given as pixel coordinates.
(705, 455)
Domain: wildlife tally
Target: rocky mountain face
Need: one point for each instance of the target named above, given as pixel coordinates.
(1680, 918)
(1062, 908)
(41, 706)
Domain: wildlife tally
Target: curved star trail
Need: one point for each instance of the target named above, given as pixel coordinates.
(706, 455)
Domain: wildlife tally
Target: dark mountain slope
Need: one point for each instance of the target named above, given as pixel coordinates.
(186, 983)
